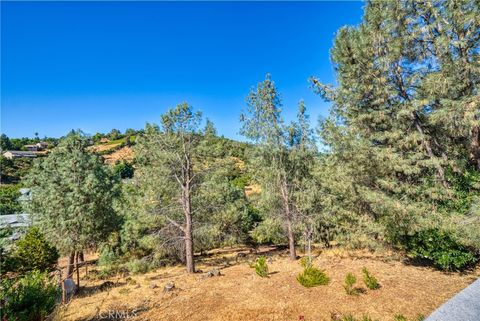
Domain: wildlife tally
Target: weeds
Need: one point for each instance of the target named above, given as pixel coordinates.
(261, 267)
(370, 281)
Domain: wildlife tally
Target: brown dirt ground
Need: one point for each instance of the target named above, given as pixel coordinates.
(239, 294)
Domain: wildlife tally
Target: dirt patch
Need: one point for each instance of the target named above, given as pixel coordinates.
(125, 153)
(238, 294)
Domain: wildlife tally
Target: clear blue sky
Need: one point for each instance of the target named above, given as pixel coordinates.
(103, 65)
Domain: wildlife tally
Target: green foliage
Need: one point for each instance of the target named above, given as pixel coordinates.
(28, 298)
(312, 276)
(137, 266)
(370, 281)
(9, 195)
(123, 170)
(281, 159)
(261, 267)
(350, 317)
(269, 230)
(33, 252)
(440, 248)
(349, 285)
(400, 317)
(13, 170)
(402, 138)
(72, 196)
(5, 143)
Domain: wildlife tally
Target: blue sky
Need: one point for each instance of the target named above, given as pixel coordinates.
(102, 65)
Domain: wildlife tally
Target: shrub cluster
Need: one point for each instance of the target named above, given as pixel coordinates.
(312, 276)
(440, 248)
(29, 298)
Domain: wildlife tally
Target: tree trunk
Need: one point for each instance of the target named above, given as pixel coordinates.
(288, 219)
(81, 257)
(291, 239)
(475, 147)
(71, 260)
(78, 271)
(187, 207)
(189, 248)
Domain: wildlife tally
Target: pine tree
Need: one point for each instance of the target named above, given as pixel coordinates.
(72, 196)
(282, 152)
(405, 111)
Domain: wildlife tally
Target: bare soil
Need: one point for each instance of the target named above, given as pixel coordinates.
(239, 294)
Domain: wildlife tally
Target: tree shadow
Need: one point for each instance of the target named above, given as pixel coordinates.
(86, 291)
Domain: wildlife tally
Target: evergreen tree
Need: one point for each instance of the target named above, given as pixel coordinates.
(405, 112)
(281, 156)
(72, 196)
(168, 170)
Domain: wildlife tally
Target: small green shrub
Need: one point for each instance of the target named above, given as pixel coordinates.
(350, 317)
(305, 262)
(440, 248)
(33, 252)
(400, 317)
(137, 266)
(312, 276)
(370, 281)
(261, 267)
(350, 281)
(29, 298)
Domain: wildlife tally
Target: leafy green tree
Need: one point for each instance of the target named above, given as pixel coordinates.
(5, 143)
(114, 134)
(72, 196)
(281, 157)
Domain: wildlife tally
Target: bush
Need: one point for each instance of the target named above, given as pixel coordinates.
(138, 266)
(29, 298)
(312, 276)
(33, 252)
(124, 170)
(350, 317)
(350, 281)
(261, 267)
(370, 281)
(9, 195)
(440, 248)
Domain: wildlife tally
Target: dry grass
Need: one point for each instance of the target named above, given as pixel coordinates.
(241, 295)
(124, 153)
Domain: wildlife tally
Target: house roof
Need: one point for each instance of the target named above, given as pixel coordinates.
(20, 153)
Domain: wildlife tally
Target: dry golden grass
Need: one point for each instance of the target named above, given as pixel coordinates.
(241, 295)
(103, 147)
(124, 153)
